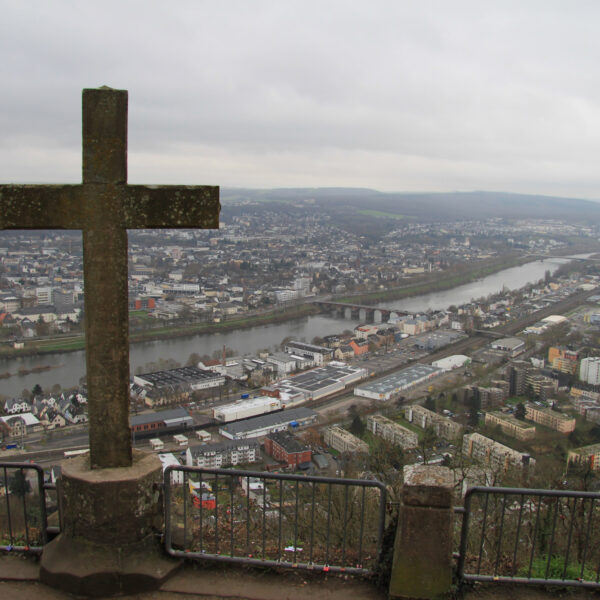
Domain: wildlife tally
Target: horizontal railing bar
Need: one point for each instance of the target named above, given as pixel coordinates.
(268, 562)
(531, 492)
(531, 581)
(277, 476)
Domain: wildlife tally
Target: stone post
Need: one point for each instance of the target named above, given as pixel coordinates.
(422, 565)
(110, 519)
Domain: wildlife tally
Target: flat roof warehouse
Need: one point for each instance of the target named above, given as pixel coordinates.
(383, 389)
(182, 375)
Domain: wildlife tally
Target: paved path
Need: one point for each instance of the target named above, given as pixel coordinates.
(18, 581)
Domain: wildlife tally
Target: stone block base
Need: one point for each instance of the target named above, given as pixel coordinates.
(80, 567)
(422, 554)
(109, 521)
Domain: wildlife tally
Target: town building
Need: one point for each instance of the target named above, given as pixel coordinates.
(161, 388)
(510, 425)
(223, 454)
(244, 409)
(319, 354)
(284, 363)
(266, 424)
(516, 375)
(157, 421)
(541, 386)
(489, 397)
(563, 359)
(512, 346)
(585, 455)
(392, 432)
(495, 455)
(168, 459)
(444, 427)
(343, 441)
(589, 370)
(19, 425)
(550, 418)
(449, 363)
(386, 387)
(322, 381)
(284, 447)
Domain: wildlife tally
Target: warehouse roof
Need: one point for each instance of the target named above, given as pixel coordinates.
(174, 414)
(287, 416)
(177, 376)
(400, 379)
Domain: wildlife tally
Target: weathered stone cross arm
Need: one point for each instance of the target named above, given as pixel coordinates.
(103, 207)
(107, 206)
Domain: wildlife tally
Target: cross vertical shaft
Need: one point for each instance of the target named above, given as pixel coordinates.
(103, 207)
(106, 288)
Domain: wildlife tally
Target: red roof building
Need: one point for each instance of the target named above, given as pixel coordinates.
(284, 447)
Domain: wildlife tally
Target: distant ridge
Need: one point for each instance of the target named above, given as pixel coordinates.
(430, 206)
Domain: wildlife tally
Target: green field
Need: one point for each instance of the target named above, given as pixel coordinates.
(381, 214)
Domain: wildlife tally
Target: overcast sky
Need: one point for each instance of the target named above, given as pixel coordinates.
(393, 95)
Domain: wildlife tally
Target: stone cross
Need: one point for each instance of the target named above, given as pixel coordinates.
(104, 207)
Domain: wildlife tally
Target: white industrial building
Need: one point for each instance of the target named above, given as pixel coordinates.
(386, 387)
(319, 354)
(266, 424)
(511, 345)
(244, 409)
(456, 361)
(168, 459)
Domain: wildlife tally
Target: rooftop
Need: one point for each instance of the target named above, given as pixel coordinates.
(401, 379)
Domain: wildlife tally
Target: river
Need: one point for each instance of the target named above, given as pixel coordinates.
(67, 369)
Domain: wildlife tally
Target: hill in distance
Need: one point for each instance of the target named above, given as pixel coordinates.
(449, 206)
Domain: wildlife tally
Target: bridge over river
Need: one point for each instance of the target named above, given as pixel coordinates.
(362, 312)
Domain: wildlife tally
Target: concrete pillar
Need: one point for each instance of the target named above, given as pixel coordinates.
(110, 519)
(422, 566)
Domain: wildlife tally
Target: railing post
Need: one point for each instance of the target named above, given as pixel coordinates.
(422, 564)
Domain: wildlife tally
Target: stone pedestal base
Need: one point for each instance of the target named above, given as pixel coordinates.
(79, 567)
(110, 517)
(422, 567)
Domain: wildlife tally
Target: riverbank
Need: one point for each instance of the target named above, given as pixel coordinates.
(437, 283)
(77, 343)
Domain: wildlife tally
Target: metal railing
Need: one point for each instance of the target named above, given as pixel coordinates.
(23, 508)
(319, 523)
(530, 536)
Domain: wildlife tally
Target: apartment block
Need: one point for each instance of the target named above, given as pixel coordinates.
(543, 387)
(443, 426)
(343, 441)
(494, 454)
(563, 359)
(510, 425)
(224, 454)
(393, 432)
(550, 418)
(516, 373)
(284, 447)
(589, 370)
(586, 454)
(491, 397)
